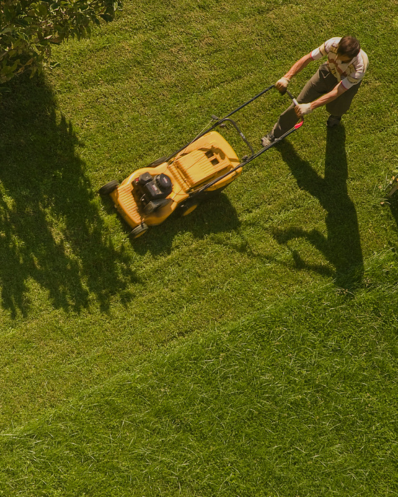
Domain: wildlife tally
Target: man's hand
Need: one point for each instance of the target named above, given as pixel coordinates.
(281, 84)
(302, 109)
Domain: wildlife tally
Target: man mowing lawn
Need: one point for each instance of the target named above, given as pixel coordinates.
(334, 85)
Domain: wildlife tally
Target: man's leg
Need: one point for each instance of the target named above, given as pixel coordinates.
(340, 106)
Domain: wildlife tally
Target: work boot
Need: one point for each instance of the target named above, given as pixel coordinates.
(333, 121)
(267, 139)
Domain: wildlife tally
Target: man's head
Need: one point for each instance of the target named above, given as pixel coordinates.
(348, 48)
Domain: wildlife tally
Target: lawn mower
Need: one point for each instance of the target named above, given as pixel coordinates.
(184, 179)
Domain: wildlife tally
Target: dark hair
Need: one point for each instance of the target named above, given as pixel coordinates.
(348, 46)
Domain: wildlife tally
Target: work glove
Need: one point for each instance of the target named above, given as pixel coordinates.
(281, 84)
(302, 109)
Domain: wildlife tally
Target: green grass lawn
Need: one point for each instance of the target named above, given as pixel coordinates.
(247, 349)
(299, 399)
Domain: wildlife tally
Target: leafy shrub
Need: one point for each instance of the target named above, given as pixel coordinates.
(28, 28)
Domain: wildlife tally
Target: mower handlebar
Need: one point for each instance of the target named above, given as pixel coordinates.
(254, 155)
(219, 122)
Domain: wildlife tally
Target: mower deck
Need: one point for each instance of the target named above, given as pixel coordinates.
(204, 160)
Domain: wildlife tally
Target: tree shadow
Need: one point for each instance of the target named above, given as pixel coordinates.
(51, 231)
(341, 246)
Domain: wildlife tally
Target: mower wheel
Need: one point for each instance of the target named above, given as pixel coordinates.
(188, 207)
(157, 162)
(108, 188)
(139, 230)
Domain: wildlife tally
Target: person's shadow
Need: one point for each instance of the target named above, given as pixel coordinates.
(52, 237)
(341, 246)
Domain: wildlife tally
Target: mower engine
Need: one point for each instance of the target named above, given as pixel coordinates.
(151, 192)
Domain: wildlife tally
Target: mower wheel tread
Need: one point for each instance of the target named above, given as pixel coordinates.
(108, 188)
(139, 230)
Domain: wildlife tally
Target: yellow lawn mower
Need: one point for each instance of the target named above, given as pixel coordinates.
(184, 179)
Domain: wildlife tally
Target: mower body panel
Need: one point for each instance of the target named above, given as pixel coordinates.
(200, 163)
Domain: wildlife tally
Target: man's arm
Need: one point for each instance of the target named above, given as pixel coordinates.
(298, 66)
(329, 97)
(281, 85)
(303, 109)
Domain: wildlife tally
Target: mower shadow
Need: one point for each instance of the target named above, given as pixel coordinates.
(213, 216)
(51, 233)
(341, 246)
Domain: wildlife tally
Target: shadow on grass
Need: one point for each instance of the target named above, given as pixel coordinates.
(342, 245)
(216, 215)
(50, 229)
